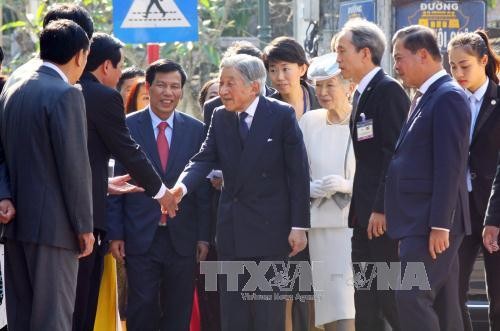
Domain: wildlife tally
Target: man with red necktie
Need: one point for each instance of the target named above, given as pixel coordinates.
(160, 253)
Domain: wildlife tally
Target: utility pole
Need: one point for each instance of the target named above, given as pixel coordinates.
(264, 28)
(384, 21)
(327, 25)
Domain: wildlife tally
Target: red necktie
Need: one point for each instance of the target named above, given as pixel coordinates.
(163, 149)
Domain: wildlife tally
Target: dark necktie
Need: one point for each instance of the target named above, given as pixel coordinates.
(414, 101)
(163, 150)
(243, 127)
(355, 100)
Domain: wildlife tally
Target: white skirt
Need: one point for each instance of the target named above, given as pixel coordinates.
(330, 251)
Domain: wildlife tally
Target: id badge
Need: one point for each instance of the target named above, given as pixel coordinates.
(365, 129)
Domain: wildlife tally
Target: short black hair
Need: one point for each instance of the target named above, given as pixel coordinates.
(103, 47)
(284, 49)
(415, 37)
(61, 40)
(1, 55)
(71, 12)
(164, 66)
(127, 73)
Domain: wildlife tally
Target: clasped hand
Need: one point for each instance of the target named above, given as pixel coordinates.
(170, 200)
(329, 185)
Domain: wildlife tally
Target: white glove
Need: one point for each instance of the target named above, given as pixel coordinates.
(336, 183)
(316, 189)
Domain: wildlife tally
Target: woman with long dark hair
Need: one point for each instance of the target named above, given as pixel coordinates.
(474, 65)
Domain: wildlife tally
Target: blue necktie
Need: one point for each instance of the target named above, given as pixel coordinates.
(243, 127)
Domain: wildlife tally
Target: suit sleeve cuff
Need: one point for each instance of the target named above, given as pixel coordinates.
(161, 192)
(437, 228)
(183, 187)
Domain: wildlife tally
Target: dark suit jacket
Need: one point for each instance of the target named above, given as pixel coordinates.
(386, 103)
(134, 217)
(426, 184)
(109, 136)
(44, 153)
(493, 211)
(484, 148)
(210, 105)
(266, 184)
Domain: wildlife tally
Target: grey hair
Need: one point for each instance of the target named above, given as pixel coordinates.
(252, 69)
(367, 34)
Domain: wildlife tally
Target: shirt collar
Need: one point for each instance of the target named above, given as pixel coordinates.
(57, 69)
(480, 92)
(425, 86)
(252, 108)
(155, 120)
(367, 79)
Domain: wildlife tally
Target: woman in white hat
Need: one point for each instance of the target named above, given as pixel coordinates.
(332, 165)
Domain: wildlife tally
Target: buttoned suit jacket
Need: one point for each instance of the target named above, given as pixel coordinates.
(426, 179)
(266, 183)
(134, 217)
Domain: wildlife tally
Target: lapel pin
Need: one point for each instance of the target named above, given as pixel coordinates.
(369, 88)
(493, 102)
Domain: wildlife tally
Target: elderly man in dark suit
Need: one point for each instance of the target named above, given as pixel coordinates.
(161, 251)
(107, 135)
(379, 108)
(426, 197)
(264, 204)
(45, 171)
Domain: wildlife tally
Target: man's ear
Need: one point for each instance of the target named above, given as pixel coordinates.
(255, 88)
(423, 54)
(367, 54)
(106, 66)
(81, 58)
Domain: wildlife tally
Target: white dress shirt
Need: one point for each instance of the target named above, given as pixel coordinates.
(155, 121)
(57, 69)
(431, 80)
(366, 80)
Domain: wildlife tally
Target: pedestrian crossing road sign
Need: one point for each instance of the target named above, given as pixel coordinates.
(155, 21)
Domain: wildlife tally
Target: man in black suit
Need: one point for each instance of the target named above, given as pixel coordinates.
(157, 253)
(107, 135)
(379, 109)
(45, 171)
(264, 203)
(492, 220)
(426, 196)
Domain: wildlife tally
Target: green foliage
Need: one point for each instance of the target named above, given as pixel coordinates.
(200, 59)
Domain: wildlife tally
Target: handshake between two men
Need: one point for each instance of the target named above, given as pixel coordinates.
(172, 197)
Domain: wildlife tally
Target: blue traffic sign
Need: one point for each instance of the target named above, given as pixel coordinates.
(356, 8)
(155, 21)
